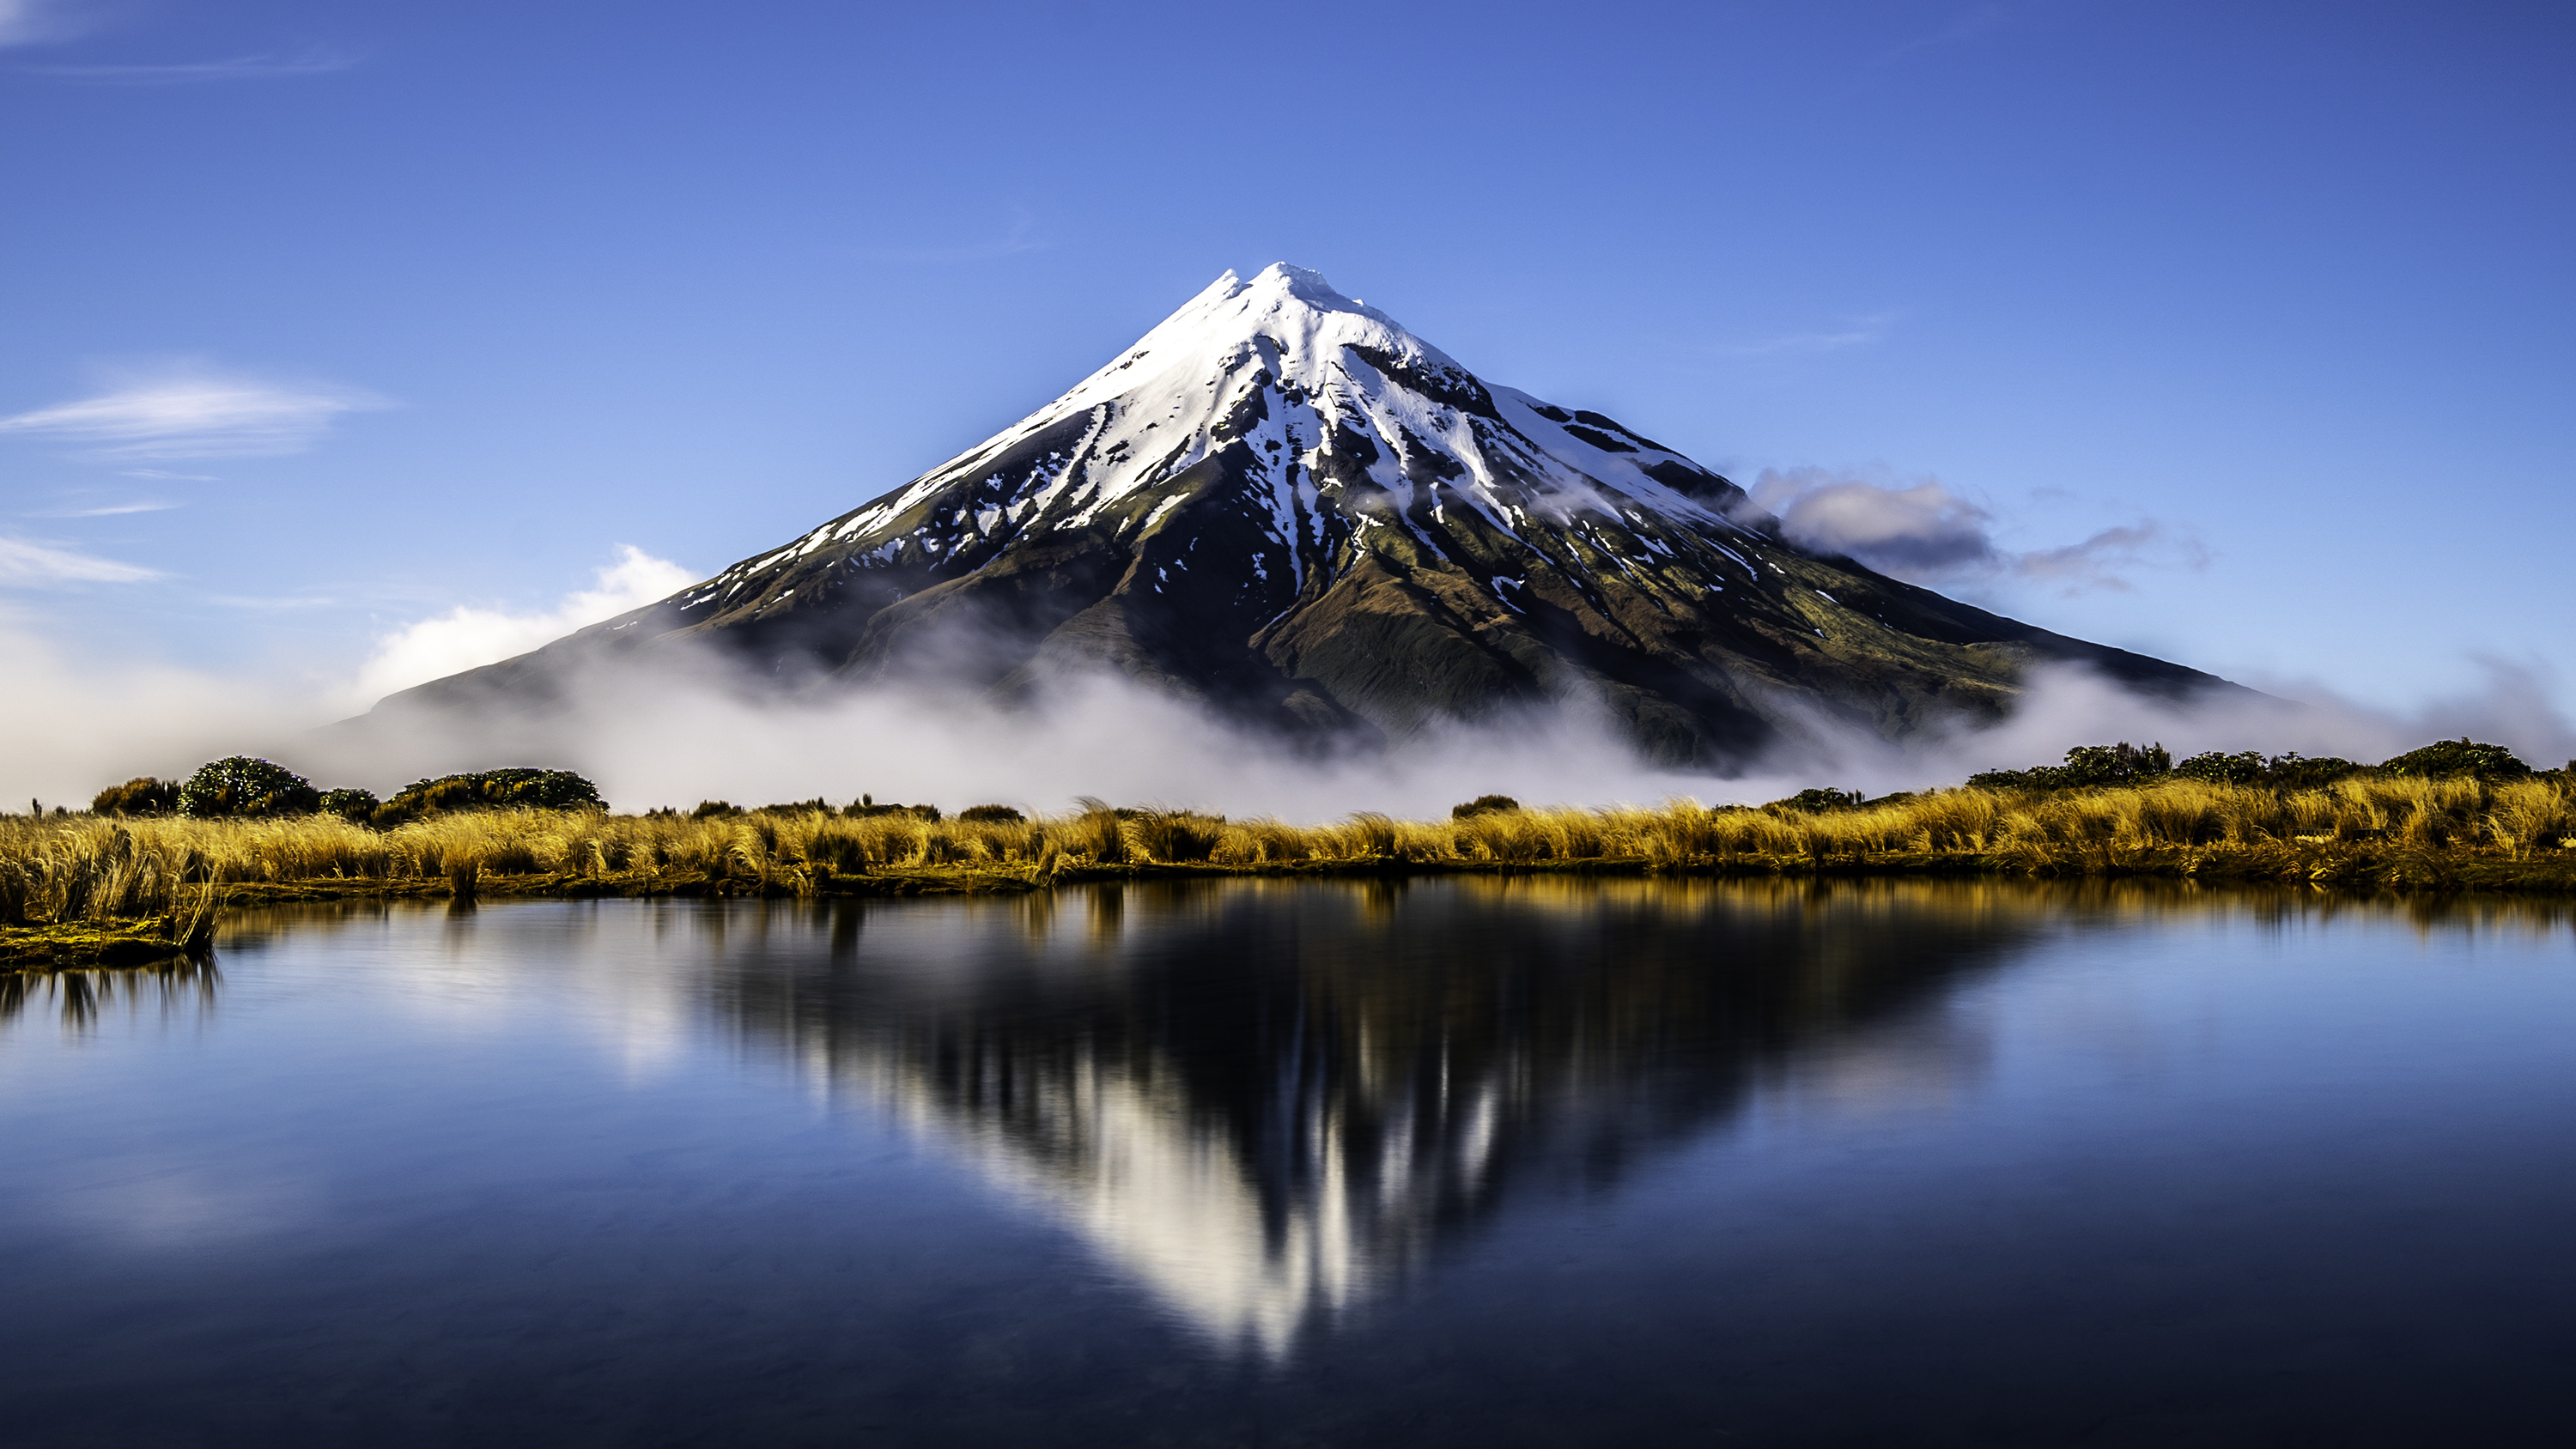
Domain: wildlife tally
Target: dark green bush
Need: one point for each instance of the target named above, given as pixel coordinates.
(349, 804)
(2086, 767)
(240, 785)
(2115, 764)
(2294, 771)
(142, 795)
(516, 788)
(2248, 768)
(715, 810)
(1483, 805)
(2448, 759)
(992, 814)
(2093, 766)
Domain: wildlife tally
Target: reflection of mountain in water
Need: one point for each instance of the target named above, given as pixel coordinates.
(1263, 1098)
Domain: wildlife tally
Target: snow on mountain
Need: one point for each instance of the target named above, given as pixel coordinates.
(1281, 365)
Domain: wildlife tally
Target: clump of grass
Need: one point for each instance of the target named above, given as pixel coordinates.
(72, 895)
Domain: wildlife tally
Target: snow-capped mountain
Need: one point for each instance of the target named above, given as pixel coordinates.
(1282, 503)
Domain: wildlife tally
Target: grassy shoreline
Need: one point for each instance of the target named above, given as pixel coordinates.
(76, 888)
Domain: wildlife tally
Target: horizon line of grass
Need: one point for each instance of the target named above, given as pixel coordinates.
(157, 882)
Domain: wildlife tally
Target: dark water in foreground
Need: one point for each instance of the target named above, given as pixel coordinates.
(1460, 1163)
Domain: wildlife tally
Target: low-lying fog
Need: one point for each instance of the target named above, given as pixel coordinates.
(75, 726)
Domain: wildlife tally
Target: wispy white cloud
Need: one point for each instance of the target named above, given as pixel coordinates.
(465, 637)
(1925, 533)
(320, 60)
(163, 475)
(195, 414)
(25, 562)
(1859, 332)
(2100, 562)
(240, 601)
(113, 510)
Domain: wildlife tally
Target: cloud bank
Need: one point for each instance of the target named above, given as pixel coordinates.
(75, 725)
(465, 637)
(696, 729)
(1926, 534)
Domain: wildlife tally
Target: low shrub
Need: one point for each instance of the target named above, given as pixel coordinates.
(516, 788)
(991, 814)
(142, 795)
(2093, 767)
(2452, 759)
(350, 804)
(2086, 767)
(2294, 771)
(2215, 768)
(241, 785)
(1483, 805)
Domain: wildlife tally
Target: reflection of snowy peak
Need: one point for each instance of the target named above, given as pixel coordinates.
(1283, 503)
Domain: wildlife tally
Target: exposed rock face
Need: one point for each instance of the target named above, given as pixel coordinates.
(1282, 503)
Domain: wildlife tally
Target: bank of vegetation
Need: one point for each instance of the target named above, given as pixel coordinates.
(123, 879)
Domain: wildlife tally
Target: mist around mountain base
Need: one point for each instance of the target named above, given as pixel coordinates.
(696, 728)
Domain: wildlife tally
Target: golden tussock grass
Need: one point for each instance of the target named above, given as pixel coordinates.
(2382, 831)
(98, 892)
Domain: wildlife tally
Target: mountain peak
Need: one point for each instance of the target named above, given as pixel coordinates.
(1310, 287)
(1296, 311)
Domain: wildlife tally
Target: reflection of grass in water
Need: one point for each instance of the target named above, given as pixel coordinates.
(84, 994)
(2376, 832)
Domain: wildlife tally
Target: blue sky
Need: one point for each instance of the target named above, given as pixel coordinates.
(321, 320)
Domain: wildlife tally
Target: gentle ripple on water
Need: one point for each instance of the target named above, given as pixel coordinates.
(1471, 1161)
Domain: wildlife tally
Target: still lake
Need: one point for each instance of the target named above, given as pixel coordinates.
(1485, 1162)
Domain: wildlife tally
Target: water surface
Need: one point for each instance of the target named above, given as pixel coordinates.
(1472, 1162)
